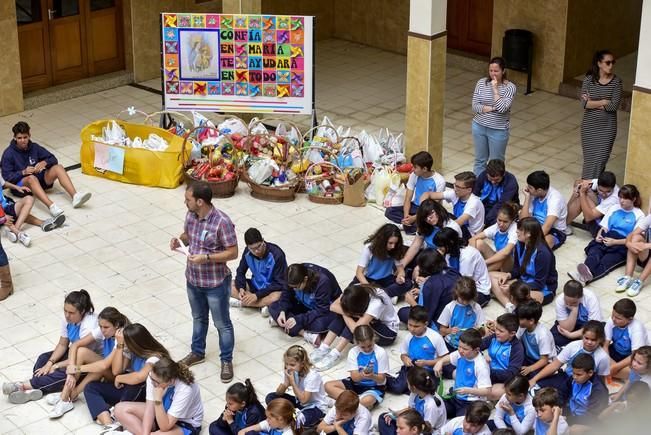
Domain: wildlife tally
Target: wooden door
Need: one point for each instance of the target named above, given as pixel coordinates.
(470, 26)
(67, 40)
(105, 42)
(33, 43)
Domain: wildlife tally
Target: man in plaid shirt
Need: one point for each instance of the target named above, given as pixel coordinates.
(211, 240)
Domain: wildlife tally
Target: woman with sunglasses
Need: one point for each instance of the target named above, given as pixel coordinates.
(601, 93)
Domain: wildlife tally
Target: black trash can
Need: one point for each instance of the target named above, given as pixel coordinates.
(517, 51)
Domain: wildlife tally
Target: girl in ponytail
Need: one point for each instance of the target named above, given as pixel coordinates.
(423, 400)
(410, 422)
(282, 418)
(242, 410)
(170, 389)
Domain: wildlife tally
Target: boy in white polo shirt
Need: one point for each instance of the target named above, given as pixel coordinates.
(547, 205)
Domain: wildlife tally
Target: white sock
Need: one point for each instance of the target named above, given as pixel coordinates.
(335, 352)
(324, 346)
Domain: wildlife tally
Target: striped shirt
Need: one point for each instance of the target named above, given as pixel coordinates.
(214, 233)
(483, 96)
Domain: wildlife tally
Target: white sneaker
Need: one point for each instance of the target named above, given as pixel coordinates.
(635, 288)
(80, 199)
(585, 272)
(568, 230)
(10, 387)
(61, 408)
(52, 223)
(24, 239)
(235, 303)
(623, 283)
(272, 322)
(311, 337)
(264, 311)
(24, 396)
(328, 362)
(53, 399)
(55, 210)
(318, 354)
(13, 238)
(576, 276)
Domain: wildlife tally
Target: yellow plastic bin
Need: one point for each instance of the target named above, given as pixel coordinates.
(141, 166)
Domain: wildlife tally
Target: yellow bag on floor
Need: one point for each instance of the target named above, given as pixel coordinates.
(141, 166)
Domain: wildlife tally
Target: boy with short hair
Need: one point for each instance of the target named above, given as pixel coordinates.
(624, 334)
(549, 418)
(592, 198)
(638, 244)
(268, 267)
(473, 421)
(505, 353)
(585, 393)
(348, 416)
(495, 187)
(574, 308)
(472, 380)
(422, 347)
(422, 179)
(537, 340)
(547, 206)
(466, 206)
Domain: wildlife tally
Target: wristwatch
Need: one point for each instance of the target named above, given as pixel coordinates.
(158, 402)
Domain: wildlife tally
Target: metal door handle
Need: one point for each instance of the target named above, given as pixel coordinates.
(50, 14)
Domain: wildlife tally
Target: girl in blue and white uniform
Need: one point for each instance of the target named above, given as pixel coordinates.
(504, 237)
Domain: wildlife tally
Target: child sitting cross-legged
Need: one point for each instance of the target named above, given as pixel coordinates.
(472, 379)
(514, 409)
(549, 418)
(574, 307)
(505, 353)
(368, 366)
(472, 422)
(585, 394)
(591, 344)
(422, 347)
(306, 383)
(348, 417)
(536, 338)
(423, 399)
(423, 179)
(624, 334)
(242, 410)
(462, 313)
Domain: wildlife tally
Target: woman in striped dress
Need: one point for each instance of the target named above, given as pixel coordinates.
(600, 95)
(491, 104)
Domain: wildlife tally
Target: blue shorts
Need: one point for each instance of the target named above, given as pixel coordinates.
(559, 238)
(10, 208)
(41, 180)
(377, 391)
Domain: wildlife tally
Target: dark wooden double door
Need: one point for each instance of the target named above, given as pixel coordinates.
(470, 26)
(66, 40)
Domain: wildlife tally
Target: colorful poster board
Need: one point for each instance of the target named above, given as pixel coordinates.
(238, 63)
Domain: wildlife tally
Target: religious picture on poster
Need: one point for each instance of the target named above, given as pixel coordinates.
(199, 52)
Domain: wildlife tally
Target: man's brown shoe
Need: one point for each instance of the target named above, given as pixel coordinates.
(192, 359)
(227, 372)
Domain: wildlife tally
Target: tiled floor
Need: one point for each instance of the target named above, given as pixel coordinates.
(117, 246)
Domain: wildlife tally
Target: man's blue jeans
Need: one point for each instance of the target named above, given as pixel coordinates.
(214, 301)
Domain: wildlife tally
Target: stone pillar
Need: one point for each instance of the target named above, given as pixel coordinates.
(426, 57)
(638, 155)
(11, 83)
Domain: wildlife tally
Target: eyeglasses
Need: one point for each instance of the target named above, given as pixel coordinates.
(609, 62)
(257, 247)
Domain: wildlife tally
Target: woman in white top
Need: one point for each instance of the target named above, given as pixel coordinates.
(49, 371)
(173, 403)
(504, 235)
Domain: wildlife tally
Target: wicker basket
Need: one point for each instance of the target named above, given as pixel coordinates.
(311, 177)
(282, 154)
(220, 189)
